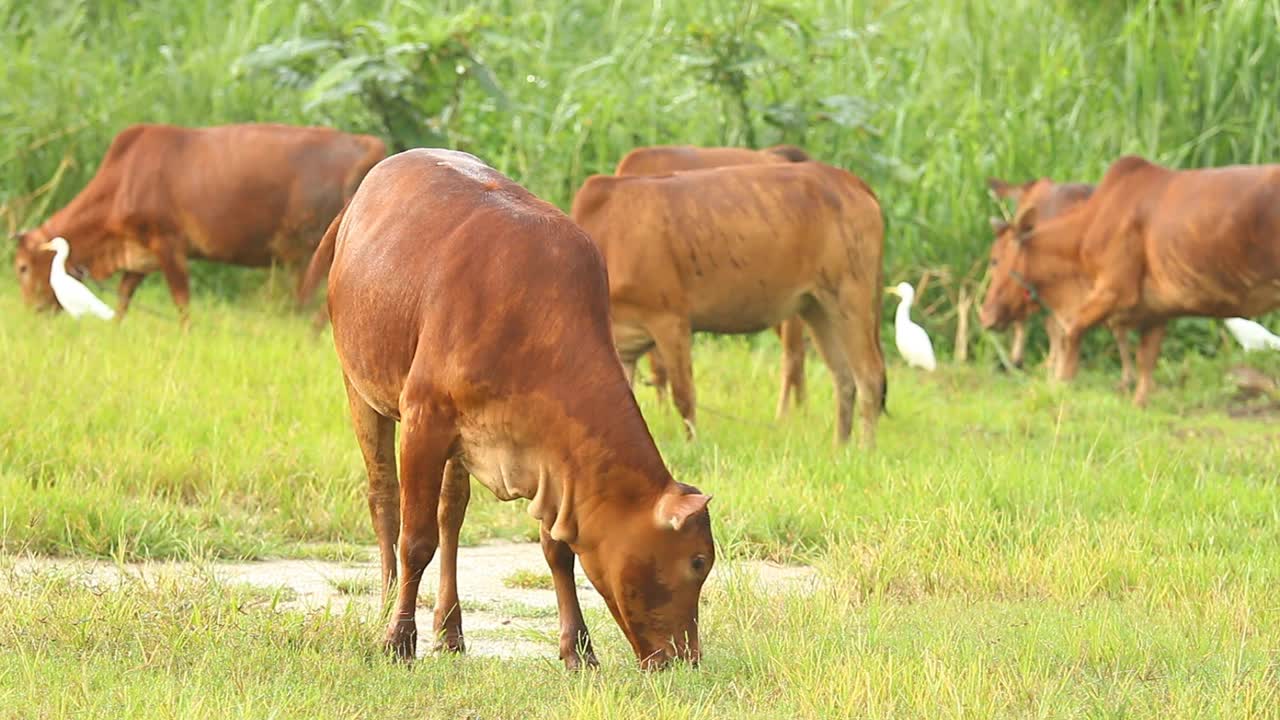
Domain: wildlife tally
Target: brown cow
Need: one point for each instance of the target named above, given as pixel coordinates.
(665, 159)
(736, 250)
(238, 194)
(477, 316)
(1153, 244)
(1047, 200)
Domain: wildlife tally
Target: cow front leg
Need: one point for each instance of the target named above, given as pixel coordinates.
(674, 338)
(1126, 356)
(455, 493)
(174, 266)
(128, 286)
(1017, 352)
(575, 642)
(1099, 304)
(425, 439)
(1148, 353)
(659, 372)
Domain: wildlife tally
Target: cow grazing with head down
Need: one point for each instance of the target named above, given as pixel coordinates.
(1044, 200)
(239, 194)
(1152, 244)
(737, 250)
(666, 159)
(477, 317)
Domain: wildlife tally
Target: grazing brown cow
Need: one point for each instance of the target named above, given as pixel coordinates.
(1153, 244)
(736, 250)
(238, 194)
(1047, 200)
(665, 159)
(477, 316)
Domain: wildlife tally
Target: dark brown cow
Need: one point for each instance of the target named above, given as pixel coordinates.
(665, 159)
(238, 194)
(1153, 244)
(1046, 200)
(736, 250)
(477, 316)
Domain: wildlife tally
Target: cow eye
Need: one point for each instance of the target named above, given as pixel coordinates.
(22, 269)
(699, 563)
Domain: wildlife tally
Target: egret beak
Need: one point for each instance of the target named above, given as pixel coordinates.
(891, 290)
(45, 246)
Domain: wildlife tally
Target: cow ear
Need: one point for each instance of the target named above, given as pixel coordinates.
(1025, 224)
(998, 226)
(1002, 188)
(674, 509)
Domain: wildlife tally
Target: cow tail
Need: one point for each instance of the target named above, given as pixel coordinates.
(321, 259)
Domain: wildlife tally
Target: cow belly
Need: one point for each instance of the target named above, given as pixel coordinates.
(744, 312)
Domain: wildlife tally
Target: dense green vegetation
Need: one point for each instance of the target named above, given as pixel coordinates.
(923, 98)
(1010, 550)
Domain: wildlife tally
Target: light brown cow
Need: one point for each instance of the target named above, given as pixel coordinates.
(477, 316)
(736, 250)
(238, 194)
(665, 159)
(1046, 200)
(1153, 244)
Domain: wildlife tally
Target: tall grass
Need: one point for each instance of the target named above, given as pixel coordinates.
(952, 91)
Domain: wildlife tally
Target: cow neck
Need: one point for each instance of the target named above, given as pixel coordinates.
(83, 222)
(1053, 256)
(615, 474)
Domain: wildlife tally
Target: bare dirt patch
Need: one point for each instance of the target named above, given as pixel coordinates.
(499, 620)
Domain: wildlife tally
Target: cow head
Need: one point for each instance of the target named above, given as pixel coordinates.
(1010, 297)
(32, 263)
(650, 567)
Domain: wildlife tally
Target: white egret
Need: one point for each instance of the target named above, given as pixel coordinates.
(913, 342)
(1251, 335)
(73, 296)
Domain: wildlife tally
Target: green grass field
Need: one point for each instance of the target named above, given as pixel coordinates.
(1012, 549)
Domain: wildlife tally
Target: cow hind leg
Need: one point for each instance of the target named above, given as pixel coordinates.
(377, 438)
(859, 332)
(826, 337)
(455, 493)
(1148, 353)
(791, 332)
(674, 339)
(425, 442)
(575, 642)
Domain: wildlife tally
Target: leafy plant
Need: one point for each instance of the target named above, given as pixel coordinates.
(407, 77)
(759, 56)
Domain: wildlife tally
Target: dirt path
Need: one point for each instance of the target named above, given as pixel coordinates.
(508, 607)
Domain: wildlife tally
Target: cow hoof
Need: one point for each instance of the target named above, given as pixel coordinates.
(574, 662)
(450, 643)
(402, 640)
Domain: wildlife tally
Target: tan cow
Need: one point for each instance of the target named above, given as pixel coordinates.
(238, 194)
(737, 250)
(1153, 244)
(665, 159)
(1047, 200)
(477, 317)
